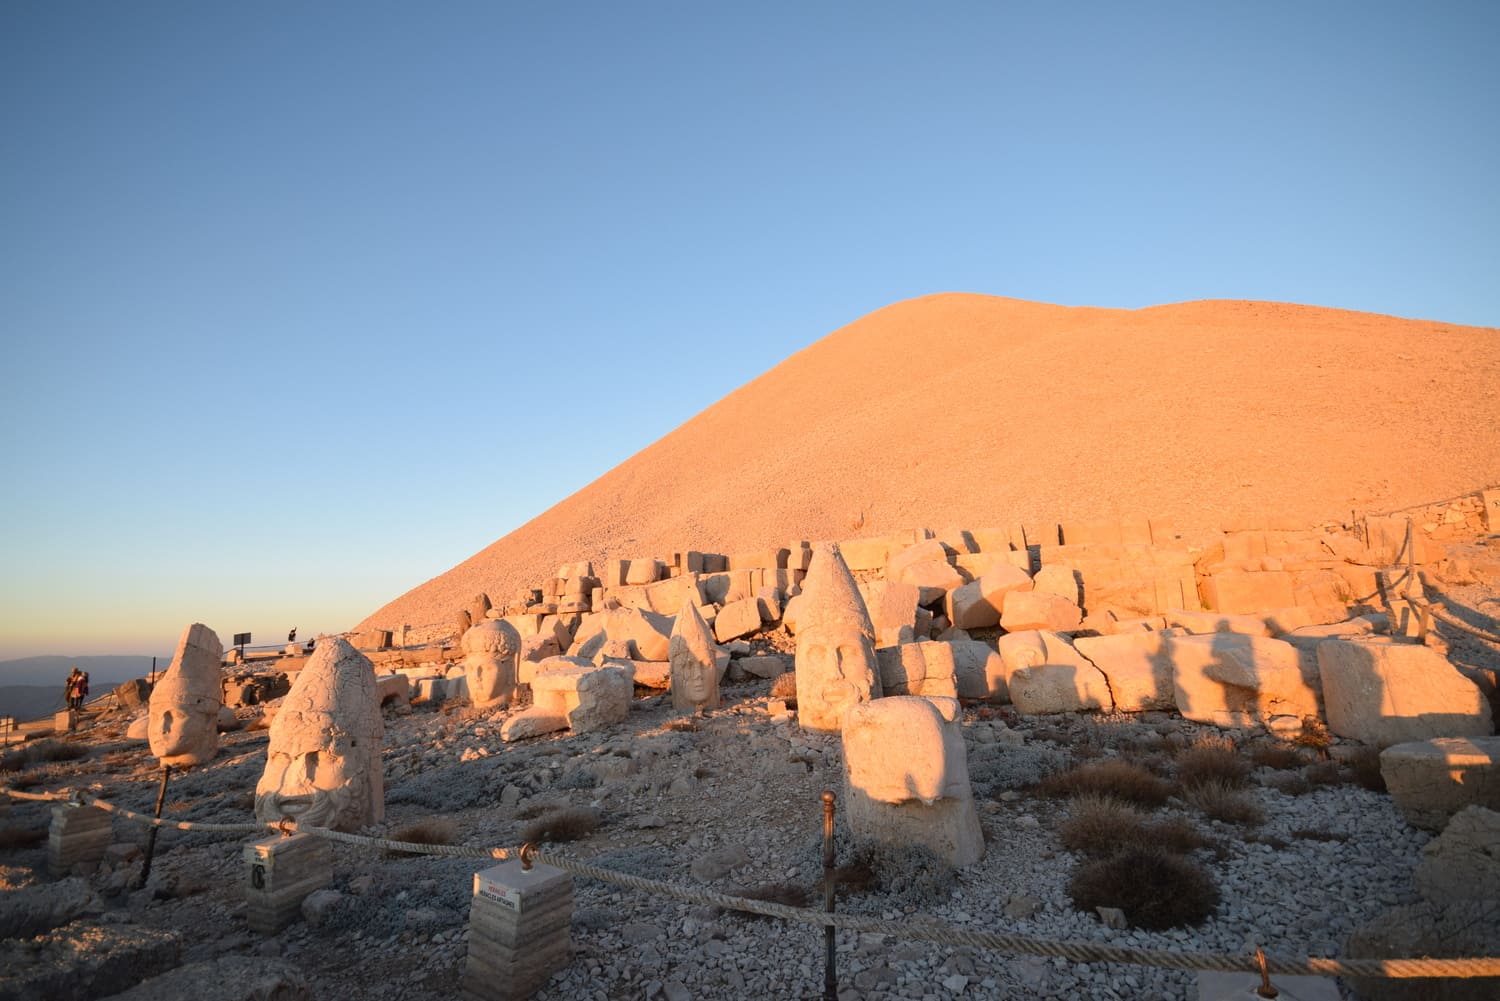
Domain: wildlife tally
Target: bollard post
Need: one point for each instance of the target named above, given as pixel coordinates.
(830, 971)
(79, 834)
(280, 871)
(518, 929)
(161, 798)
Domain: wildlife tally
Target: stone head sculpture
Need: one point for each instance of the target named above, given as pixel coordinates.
(694, 658)
(906, 748)
(323, 764)
(835, 662)
(491, 650)
(184, 708)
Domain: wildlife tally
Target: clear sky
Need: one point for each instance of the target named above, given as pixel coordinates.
(303, 304)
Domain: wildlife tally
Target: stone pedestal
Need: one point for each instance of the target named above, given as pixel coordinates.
(518, 930)
(65, 721)
(1242, 987)
(79, 834)
(279, 873)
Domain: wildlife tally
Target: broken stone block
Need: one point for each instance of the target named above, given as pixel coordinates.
(979, 671)
(588, 698)
(644, 571)
(1039, 610)
(1202, 623)
(648, 633)
(765, 666)
(227, 978)
(1136, 665)
(930, 551)
(1062, 580)
(1463, 863)
(978, 605)
(906, 777)
(1232, 680)
(84, 959)
(736, 619)
(1046, 674)
(925, 668)
(1237, 592)
(892, 607)
(1431, 780)
(1384, 693)
(1458, 929)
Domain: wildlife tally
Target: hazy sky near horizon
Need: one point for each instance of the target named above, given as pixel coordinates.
(302, 305)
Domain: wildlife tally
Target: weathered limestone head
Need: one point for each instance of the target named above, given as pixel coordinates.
(184, 709)
(906, 748)
(323, 764)
(835, 662)
(694, 657)
(491, 650)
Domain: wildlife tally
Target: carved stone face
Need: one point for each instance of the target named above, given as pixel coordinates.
(697, 682)
(329, 781)
(837, 661)
(492, 680)
(183, 729)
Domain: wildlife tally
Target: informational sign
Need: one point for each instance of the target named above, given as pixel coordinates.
(241, 639)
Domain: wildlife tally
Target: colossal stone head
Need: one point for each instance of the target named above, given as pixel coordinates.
(490, 652)
(835, 662)
(184, 708)
(695, 665)
(905, 748)
(323, 764)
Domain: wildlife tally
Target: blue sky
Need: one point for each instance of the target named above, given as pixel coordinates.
(301, 305)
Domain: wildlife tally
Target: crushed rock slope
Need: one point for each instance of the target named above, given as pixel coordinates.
(978, 410)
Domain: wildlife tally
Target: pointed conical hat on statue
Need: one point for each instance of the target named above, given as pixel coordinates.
(691, 633)
(334, 693)
(829, 594)
(194, 672)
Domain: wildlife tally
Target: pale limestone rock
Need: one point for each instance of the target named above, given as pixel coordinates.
(649, 632)
(1046, 674)
(693, 655)
(1061, 580)
(924, 668)
(906, 777)
(929, 551)
(139, 729)
(736, 619)
(1234, 680)
(587, 697)
(977, 605)
(892, 607)
(491, 649)
(184, 727)
(644, 571)
(933, 578)
(1217, 622)
(1137, 667)
(1289, 620)
(979, 671)
(323, 763)
(539, 646)
(767, 666)
(1385, 693)
(1431, 780)
(1463, 863)
(1025, 610)
(835, 662)
(1457, 929)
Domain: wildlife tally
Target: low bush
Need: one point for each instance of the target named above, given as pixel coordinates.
(1312, 834)
(1175, 834)
(1220, 801)
(1156, 889)
(432, 831)
(1211, 759)
(1323, 773)
(789, 894)
(785, 687)
(1281, 757)
(1100, 825)
(570, 824)
(1121, 780)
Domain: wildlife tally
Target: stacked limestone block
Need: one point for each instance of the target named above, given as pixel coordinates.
(1431, 780)
(518, 930)
(1381, 692)
(906, 777)
(279, 874)
(573, 696)
(78, 836)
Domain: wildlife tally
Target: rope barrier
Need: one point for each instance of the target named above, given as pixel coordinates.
(926, 929)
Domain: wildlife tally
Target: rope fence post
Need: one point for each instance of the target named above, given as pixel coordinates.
(161, 798)
(830, 956)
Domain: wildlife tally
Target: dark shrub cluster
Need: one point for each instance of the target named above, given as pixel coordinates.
(569, 824)
(1156, 889)
(1211, 760)
(1112, 777)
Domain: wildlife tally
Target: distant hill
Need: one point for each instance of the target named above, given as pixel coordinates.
(104, 671)
(979, 412)
(28, 702)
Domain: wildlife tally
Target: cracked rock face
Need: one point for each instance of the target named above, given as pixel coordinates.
(323, 764)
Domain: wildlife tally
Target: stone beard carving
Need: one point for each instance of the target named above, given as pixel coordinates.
(835, 662)
(695, 666)
(323, 765)
(183, 726)
(490, 652)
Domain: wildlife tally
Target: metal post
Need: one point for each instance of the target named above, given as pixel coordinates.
(161, 797)
(830, 972)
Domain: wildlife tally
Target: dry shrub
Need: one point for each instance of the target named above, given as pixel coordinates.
(1278, 756)
(40, 752)
(569, 824)
(432, 831)
(788, 894)
(1112, 777)
(784, 686)
(1156, 889)
(1364, 769)
(682, 724)
(14, 838)
(1211, 759)
(1312, 834)
(1289, 784)
(1323, 773)
(1101, 825)
(1221, 801)
(856, 877)
(1314, 734)
(1175, 834)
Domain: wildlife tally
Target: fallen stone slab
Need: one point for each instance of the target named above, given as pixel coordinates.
(1217, 622)
(1431, 780)
(33, 910)
(1460, 929)
(83, 961)
(979, 671)
(978, 605)
(1046, 674)
(1463, 863)
(1233, 680)
(228, 978)
(1136, 665)
(1383, 692)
